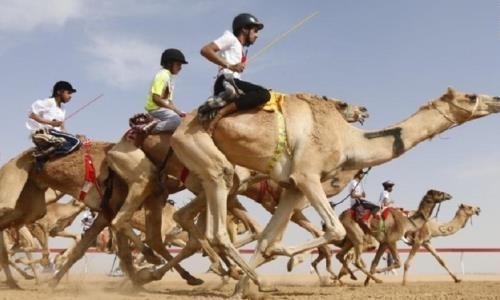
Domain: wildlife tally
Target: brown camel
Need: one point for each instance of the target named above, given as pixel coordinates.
(23, 191)
(432, 229)
(395, 225)
(319, 142)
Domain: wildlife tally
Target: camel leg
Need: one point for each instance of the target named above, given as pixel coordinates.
(312, 189)
(20, 271)
(126, 259)
(76, 252)
(69, 235)
(4, 262)
(378, 255)
(185, 217)
(268, 244)
(153, 235)
(32, 264)
(140, 185)
(342, 257)
(433, 251)
(217, 179)
(411, 255)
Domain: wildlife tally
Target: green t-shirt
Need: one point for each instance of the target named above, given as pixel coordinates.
(163, 80)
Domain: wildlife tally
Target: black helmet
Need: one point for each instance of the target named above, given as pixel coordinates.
(387, 183)
(244, 20)
(172, 55)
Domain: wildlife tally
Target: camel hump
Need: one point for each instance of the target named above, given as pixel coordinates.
(314, 97)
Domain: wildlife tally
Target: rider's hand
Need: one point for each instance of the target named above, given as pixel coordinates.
(181, 114)
(240, 67)
(55, 123)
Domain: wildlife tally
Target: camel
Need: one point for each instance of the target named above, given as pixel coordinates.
(319, 142)
(23, 191)
(54, 223)
(395, 225)
(20, 240)
(125, 159)
(432, 229)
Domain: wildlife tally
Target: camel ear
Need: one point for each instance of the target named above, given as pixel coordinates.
(450, 94)
(461, 205)
(342, 105)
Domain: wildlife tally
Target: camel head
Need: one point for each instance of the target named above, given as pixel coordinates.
(352, 113)
(460, 107)
(436, 196)
(469, 210)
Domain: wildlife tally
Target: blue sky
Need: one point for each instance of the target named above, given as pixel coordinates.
(391, 56)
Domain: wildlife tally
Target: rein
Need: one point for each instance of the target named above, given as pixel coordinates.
(334, 204)
(451, 120)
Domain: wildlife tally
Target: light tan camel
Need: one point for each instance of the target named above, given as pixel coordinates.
(20, 240)
(126, 159)
(395, 225)
(433, 229)
(58, 217)
(319, 142)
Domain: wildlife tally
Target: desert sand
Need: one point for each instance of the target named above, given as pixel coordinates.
(290, 286)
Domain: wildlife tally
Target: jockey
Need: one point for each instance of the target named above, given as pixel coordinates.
(385, 196)
(159, 102)
(47, 116)
(228, 53)
(358, 201)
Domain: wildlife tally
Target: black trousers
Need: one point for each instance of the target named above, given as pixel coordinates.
(254, 96)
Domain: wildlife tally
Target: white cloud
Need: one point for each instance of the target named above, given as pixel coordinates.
(27, 15)
(122, 62)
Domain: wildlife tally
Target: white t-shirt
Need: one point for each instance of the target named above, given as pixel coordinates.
(47, 109)
(231, 50)
(383, 195)
(357, 187)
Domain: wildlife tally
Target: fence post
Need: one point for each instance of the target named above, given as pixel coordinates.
(462, 265)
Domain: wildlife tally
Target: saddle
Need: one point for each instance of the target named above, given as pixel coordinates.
(364, 216)
(140, 125)
(45, 143)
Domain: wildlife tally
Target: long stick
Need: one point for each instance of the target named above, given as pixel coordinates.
(281, 36)
(84, 106)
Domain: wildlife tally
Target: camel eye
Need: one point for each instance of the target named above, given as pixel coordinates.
(473, 98)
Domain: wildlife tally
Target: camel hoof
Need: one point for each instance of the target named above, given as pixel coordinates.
(293, 261)
(28, 277)
(13, 285)
(52, 283)
(458, 280)
(353, 277)
(146, 275)
(378, 280)
(235, 273)
(267, 289)
(150, 256)
(194, 281)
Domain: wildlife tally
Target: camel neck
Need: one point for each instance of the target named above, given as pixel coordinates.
(451, 227)
(376, 147)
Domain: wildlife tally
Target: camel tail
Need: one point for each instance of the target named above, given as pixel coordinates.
(13, 177)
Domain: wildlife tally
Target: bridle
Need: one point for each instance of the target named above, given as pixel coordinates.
(450, 119)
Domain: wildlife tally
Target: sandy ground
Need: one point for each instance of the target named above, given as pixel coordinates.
(305, 286)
